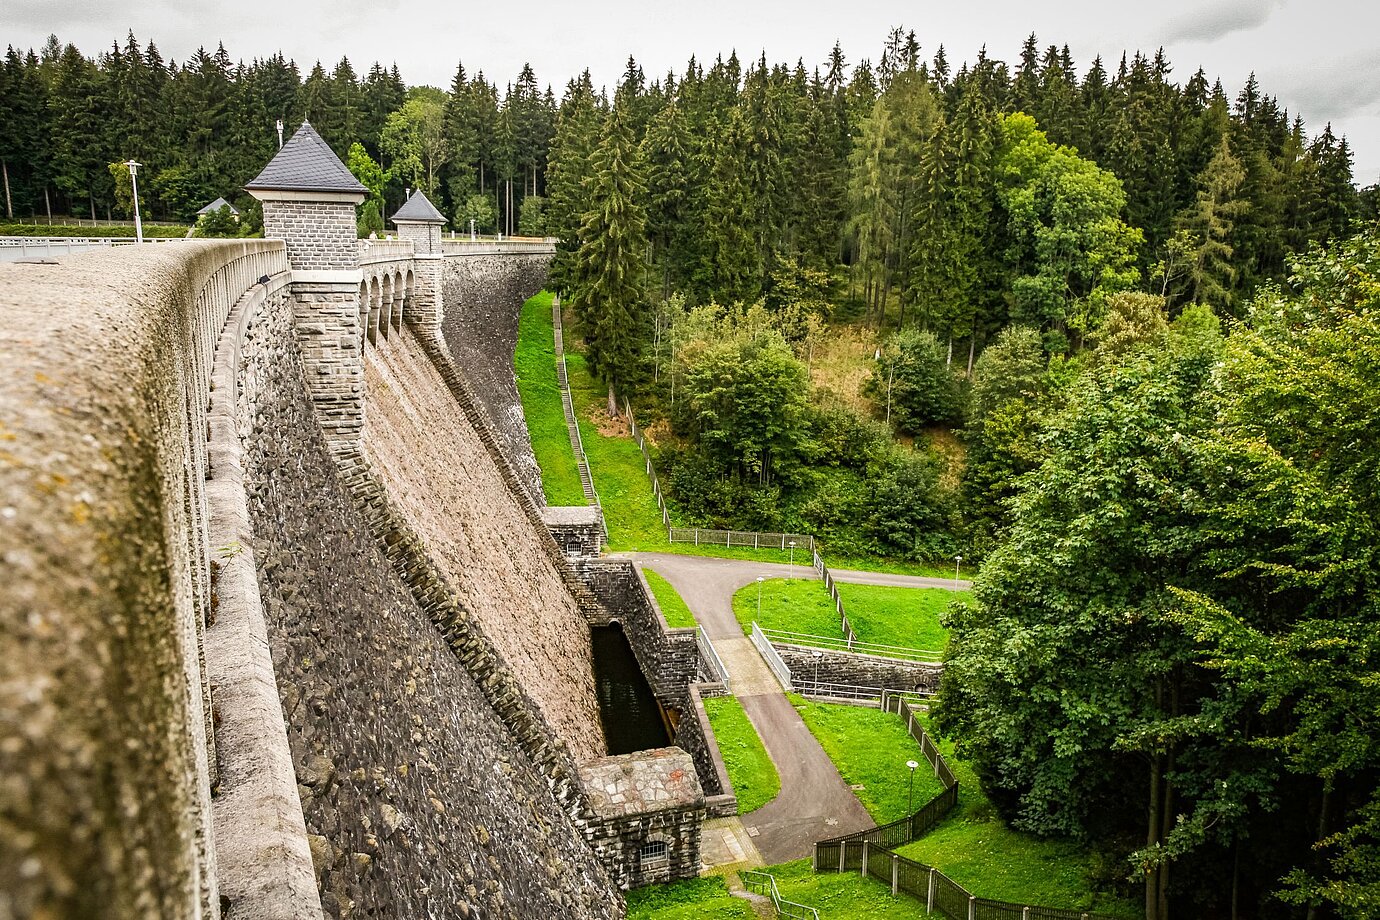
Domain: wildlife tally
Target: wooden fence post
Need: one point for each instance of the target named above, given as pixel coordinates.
(929, 898)
(896, 874)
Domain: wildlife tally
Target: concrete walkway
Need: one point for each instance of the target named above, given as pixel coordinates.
(814, 802)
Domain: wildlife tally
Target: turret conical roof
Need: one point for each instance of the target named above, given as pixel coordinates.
(420, 210)
(306, 164)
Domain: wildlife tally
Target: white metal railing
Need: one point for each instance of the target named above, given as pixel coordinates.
(764, 883)
(844, 626)
(467, 247)
(703, 536)
(712, 656)
(20, 248)
(855, 647)
(772, 658)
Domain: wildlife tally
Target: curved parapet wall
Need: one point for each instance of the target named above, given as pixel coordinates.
(485, 287)
(105, 740)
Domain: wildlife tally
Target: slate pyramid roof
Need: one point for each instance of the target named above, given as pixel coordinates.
(419, 208)
(216, 205)
(306, 164)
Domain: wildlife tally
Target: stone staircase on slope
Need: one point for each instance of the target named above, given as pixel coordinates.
(571, 425)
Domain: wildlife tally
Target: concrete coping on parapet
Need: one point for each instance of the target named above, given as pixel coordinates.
(645, 782)
(263, 858)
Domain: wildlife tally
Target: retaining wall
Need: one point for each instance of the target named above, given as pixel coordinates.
(859, 670)
(484, 294)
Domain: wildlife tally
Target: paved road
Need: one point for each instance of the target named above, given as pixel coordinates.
(814, 802)
(897, 581)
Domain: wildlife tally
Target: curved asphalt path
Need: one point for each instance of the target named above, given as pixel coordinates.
(814, 802)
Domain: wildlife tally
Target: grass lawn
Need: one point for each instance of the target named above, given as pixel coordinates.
(974, 848)
(791, 604)
(834, 895)
(750, 769)
(669, 600)
(906, 617)
(534, 363)
(151, 231)
(692, 899)
(870, 748)
(843, 895)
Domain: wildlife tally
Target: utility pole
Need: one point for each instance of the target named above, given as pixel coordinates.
(280, 134)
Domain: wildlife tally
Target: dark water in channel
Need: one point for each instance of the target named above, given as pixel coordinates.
(627, 706)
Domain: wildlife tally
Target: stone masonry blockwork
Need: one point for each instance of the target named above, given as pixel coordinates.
(418, 801)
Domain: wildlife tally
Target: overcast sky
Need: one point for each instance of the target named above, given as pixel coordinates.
(1320, 57)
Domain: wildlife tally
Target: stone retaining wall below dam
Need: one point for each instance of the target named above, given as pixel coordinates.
(435, 467)
(418, 802)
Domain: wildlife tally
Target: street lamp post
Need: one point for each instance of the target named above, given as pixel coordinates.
(910, 791)
(792, 552)
(760, 579)
(817, 656)
(134, 187)
(957, 561)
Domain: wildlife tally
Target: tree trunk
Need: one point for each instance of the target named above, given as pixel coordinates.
(613, 403)
(9, 206)
(1152, 900)
(972, 351)
(1323, 810)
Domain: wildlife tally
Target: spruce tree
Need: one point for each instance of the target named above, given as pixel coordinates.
(609, 266)
(1211, 221)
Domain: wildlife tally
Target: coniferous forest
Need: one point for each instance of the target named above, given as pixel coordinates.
(1116, 333)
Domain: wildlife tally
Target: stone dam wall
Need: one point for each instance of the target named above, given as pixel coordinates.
(484, 294)
(234, 681)
(436, 469)
(417, 800)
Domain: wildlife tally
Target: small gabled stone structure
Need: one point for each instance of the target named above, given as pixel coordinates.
(419, 221)
(309, 200)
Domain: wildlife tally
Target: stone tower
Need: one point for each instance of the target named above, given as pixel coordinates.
(419, 221)
(309, 200)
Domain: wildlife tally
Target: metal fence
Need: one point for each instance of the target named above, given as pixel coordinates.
(22, 248)
(773, 660)
(710, 655)
(870, 852)
(854, 646)
(647, 464)
(764, 883)
(572, 424)
(844, 626)
(745, 538)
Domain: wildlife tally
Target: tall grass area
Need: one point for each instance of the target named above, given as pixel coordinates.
(904, 617)
(673, 606)
(151, 231)
(750, 770)
(976, 849)
(534, 363)
(870, 749)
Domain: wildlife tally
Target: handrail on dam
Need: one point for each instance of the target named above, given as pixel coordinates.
(499, 247)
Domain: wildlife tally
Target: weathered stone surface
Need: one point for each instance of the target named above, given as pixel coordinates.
(104, 738)
(577, 529)
(371, 685)
(483, 301)
(436, 468)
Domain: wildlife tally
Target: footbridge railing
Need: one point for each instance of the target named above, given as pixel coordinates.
(764, 883)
